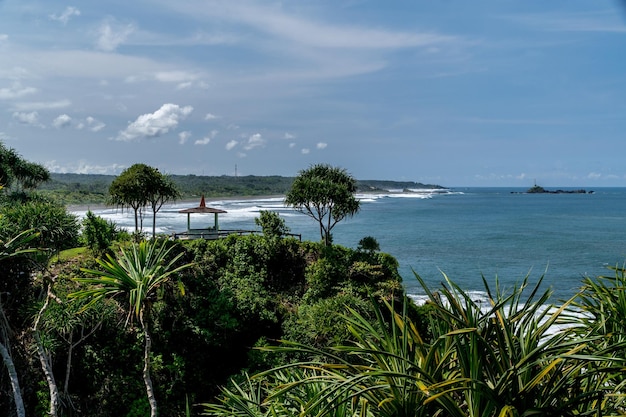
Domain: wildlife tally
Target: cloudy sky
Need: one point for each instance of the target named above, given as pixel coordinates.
(454, 92)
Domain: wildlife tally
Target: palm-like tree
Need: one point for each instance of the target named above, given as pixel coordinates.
(134, 276)
(514, 352)
(601, 305)
(505, 357)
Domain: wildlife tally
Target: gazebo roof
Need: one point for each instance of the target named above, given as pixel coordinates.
(202, 208)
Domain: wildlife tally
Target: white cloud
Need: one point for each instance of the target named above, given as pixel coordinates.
(42, 105)
(231, 144)
(15, 91)
(210, 116)
(62, 121)
(203, 141)
(207, 139)
(83, 167)
(3, 37)
(67, 14)
(292, 145)
(305, 151)
(155, 124)
(90, 123)
(311, 33)
(174, 76)
(594, 175)
(289, 136)
(185, 85)
(182, 79)
(254, 141)
(112, 34)
(31, 118)
(94, 125)
(183, 137)
(322, 145)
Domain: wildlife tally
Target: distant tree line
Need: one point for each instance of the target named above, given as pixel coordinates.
(94, 188)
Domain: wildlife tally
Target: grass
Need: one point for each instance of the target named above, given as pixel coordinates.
(72, 253)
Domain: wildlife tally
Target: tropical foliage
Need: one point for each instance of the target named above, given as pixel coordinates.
(140, 186)
(18, 173)
(271, 326)
(57, 229)
(506, 358)
(326, 194)
(98, 233)
(135, 275)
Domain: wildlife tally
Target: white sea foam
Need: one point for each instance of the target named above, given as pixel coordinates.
(567, 319)
(240, 212)
(417, 193)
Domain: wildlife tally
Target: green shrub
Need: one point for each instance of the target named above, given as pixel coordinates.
(321, 324)
(271, 224)
(368, 244)
(58, 229)
(98, 233)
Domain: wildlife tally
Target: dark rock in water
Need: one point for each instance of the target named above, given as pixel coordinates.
(537, 189)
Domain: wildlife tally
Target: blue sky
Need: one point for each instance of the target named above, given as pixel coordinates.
(454, 92)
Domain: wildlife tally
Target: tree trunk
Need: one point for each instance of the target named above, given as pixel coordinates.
(136, 220)
(153, 223)
(68, 365)
(44, 358)
(46, 366)
(146, 370)
(15, 383)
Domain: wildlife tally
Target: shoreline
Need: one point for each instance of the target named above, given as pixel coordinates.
(185, 201)
(189, 201)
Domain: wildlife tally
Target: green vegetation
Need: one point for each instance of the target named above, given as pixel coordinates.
(266, 325)
(58, 229)
(195, 309)
(73, 189)
(19, 174)
(504, 359)
(326, 194)
(98, 234)
(139, 186)
(135, 275)
(271, 224)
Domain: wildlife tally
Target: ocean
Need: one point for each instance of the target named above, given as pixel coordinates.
(466, 233)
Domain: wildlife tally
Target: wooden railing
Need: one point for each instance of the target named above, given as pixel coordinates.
(220, 234)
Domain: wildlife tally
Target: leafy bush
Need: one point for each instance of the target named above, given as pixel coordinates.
(320, 324)
(271, 224)
(98, 233)
(368, 244)
(58, 229)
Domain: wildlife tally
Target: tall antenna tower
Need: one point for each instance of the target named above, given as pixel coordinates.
(235, 170)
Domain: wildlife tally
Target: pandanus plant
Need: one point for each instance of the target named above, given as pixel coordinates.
(509, 356)
(134, 275)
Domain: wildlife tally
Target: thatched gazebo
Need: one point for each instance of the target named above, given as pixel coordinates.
(202, 209)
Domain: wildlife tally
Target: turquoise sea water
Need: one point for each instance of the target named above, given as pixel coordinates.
(496, 233)
(465, 232)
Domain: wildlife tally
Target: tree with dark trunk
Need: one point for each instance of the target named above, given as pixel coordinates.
(326, 194)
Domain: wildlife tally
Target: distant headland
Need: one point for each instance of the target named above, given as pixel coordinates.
(537, 189)
(78, 189)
